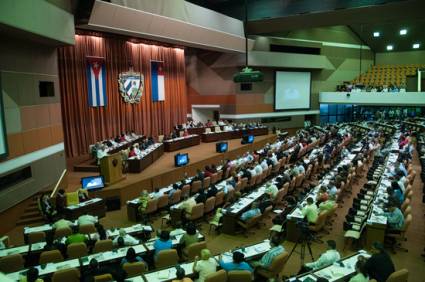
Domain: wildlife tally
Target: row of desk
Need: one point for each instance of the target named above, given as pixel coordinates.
(233, 134)
(179, 143)
(136, 165)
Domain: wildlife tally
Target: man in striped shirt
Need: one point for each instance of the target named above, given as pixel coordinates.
(267, 258)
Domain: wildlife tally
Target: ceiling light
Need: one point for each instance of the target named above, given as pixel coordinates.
(416, 46)
(403, 31)
(376, 34)
(390, 47)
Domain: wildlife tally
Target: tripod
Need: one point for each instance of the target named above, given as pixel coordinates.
(303, 242)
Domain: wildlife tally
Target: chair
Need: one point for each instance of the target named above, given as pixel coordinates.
(50, 256)
(399, 276)
(194, 250)
(197, 212)
(209, 205)
(63, 232)
(160, 138)
(176, 197)
(218, 276)
(134, 268)
(162, 202)
(239, 276)
(87, 228)
(11, 263)
(246, 225)
(76, 250)
(207, 182)
(214, 178)
(279, 197)
(185, 191)
(196, 186)
(320, 223)
(166, 258)
(244, 183)
(276, 267)
(69, 275)
(151, 207)
(103, 278)
(102, 246)
(407, 211)
(35, 237)
(219, 198)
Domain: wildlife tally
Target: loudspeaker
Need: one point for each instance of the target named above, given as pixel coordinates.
(113, 203)
(216, 115)
(246, 86)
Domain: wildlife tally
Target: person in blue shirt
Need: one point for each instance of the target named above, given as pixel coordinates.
(238, 263)
(254, 211)
(163, 242)
(398, 193)
(131, 257)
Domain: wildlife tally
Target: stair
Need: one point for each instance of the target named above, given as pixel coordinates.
(31, 215)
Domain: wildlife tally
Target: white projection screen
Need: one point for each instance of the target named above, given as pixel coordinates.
(292, 90)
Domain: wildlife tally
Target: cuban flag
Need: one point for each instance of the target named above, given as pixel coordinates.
(158, 87)
(96, 78)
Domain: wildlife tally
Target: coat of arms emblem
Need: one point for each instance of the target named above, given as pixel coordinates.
(131, 86)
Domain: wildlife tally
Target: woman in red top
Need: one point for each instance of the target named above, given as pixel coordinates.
(322, 196)
(132, 152)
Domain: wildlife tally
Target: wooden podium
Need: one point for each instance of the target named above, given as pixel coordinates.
(111, 168)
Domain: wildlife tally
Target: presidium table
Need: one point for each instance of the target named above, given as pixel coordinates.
(178, 143)
(233, 134)
(136, 165)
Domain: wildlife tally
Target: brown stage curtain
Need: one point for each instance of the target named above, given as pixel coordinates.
(84, 125)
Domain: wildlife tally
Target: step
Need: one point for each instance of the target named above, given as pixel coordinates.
(31, 214)
(35, 220)
(31, 209)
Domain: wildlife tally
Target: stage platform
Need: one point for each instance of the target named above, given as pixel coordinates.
(163, 172)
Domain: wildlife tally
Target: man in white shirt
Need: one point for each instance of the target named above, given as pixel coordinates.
(327, 258)
(100, 153)
(271, 190)
(127, 239)
(300, 168)
(87, 219)
(258, 169)
(264, 165)
(205, 266)
(252, 171)
(273, 158)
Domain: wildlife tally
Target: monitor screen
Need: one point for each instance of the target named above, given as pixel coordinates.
(247, 139)
(250, 138)
(181, 159)
(92, 183)
(222, 147)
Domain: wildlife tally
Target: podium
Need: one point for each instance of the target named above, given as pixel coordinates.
(111, 168)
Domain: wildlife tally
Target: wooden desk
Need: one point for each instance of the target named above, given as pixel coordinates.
(216, 136)
(94, 207)
(181, 143)
(234, 134)
(138, 165)
(123, 146)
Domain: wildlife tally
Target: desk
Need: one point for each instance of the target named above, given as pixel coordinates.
(181, 143)
(334, 272)
(124, 145)
(233, 134)
(136, 165)
(94, 207)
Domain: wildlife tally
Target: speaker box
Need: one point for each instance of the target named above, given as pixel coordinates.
(113, 203)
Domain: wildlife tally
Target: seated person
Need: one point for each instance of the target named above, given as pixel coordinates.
(62, 223)
(238, 263)
(187, 206)
(379, 266)
(332, 190)
(47, 208)
(190, 237)
(86, 219)
(76, 238)
(310, 211)
(94, 269)
(327, 205)
(181, 275)
(60, 201)
(131, 257)
(323, 195)
(163, 242)
(327, 258)
(202, 197)
(212, 191)
(83, 195)
(275, 250)
(207, 171)
(254, 211)
(271, 190)
(31, 276)
(395, 218)
(128, 240)
(205, 266)
(361, 273)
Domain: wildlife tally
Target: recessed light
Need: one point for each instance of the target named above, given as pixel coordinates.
(376, 34)
(416, 46)
(390, 47)
(403, 31)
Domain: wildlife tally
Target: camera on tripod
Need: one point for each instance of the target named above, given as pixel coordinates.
(305, 233)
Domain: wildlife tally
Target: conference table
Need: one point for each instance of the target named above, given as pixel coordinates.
(136, 165)
(95, 207)
(342, 270)
(233, 134)
(123, 145)
(178, 143)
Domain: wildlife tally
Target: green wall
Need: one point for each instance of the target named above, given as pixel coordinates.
(400, 58)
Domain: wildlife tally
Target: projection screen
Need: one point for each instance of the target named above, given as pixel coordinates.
(292, 90)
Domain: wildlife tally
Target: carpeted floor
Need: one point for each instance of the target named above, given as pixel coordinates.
(220, 242)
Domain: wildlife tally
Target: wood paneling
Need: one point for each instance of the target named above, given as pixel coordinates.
(15, 145)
